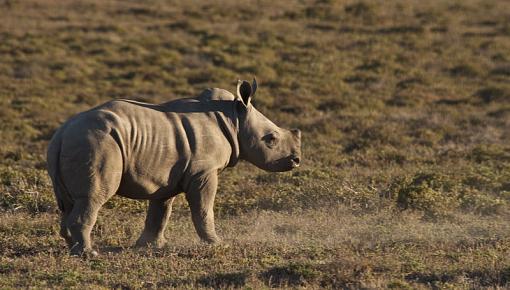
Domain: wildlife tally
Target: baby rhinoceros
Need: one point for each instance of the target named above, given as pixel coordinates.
(154, 152)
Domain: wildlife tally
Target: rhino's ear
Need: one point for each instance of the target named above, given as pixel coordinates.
(244, 91)
(253, 87)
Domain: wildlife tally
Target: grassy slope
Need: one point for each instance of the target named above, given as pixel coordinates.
(405, 113)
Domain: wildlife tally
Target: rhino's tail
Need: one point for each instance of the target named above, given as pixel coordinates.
(64, 201)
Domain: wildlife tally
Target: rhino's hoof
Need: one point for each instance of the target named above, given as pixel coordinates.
(145, 243)
(90, 254)
(212, 240)
(86, 254)
(83, 253)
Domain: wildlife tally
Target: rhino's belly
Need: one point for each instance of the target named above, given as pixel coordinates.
(152, 184)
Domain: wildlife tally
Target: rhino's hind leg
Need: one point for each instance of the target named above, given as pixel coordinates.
(200, 197)
(80, 223)
(64, 230)
(155, 223)
(91, 172)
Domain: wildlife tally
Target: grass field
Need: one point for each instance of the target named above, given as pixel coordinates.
(404, 108)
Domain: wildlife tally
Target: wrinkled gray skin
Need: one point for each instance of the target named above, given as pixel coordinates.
(145, 151)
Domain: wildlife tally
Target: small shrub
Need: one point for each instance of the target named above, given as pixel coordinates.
(399, 284)
(492, 94)
(464, 70)
(485, 153)
(294, 274)
(224, 280)
(404, 100)
(361, 10)
(432, 193)
(501, 70)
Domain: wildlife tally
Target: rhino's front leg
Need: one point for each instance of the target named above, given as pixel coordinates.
(200, 196)
(155, 223)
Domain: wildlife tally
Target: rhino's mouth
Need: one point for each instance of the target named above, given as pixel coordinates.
(294, 161)
(284, 164)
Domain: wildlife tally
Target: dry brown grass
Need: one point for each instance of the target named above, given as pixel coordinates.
(328, 248)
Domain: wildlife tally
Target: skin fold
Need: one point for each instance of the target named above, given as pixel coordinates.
(154, 152)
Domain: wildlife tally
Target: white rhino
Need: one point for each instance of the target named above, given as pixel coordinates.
(154, 152)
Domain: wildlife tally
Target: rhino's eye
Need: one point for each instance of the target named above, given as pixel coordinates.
(271, 140)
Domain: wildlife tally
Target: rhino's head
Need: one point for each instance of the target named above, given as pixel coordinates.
(262, 143)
